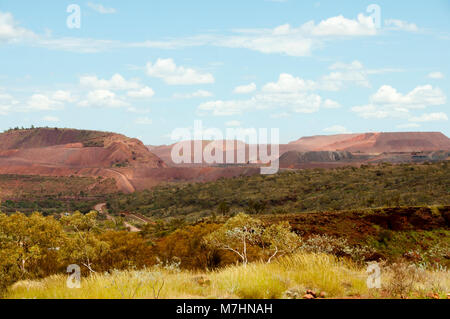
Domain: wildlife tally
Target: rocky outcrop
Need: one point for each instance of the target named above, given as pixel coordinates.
(293, 158)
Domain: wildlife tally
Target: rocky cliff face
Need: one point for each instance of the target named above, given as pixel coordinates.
(293, 158)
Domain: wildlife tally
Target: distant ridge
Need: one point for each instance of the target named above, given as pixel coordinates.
(365, 143)
(377, 142)
(134, 166)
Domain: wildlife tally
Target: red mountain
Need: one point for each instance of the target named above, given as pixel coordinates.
(376, 142)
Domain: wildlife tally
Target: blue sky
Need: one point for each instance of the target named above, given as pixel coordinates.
(145, 68)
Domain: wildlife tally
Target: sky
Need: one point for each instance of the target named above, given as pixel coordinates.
(146, 68)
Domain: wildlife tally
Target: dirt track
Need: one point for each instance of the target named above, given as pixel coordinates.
(122, 182)
(101, 208)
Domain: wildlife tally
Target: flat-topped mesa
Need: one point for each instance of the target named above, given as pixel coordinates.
(376, 142)
(43, 137)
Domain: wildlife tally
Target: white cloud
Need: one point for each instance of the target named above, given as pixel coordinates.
(340, 26)
(78, 45)
(63, 96)
(420, 97)
(383, 70)
(100, 8)
(330, 104)
(224, 108)
(104, 87)
(41, 102)
(143, 121)
(245, 89)
(53, 119)
(10, 31)
(6, 98)
(388, 102)
(102, 98)
(343, 74)
(436, 75)
(172, 74)
(196, 94)
(334, 26)
(337, 129)
(430, 117)
(283, 39)
(233, 123)
(48, 101)
(117, 82)
(145, 92)
(289, 83)
(395, 24)
(136, 110)
(289, 44)
(294, 102)
(280, 115)
(288, 92)
(300, 41)
(355, 65)
(7, 103)
(371, 111)
(4, 109)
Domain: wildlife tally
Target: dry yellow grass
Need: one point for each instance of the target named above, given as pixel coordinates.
(284, 277)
